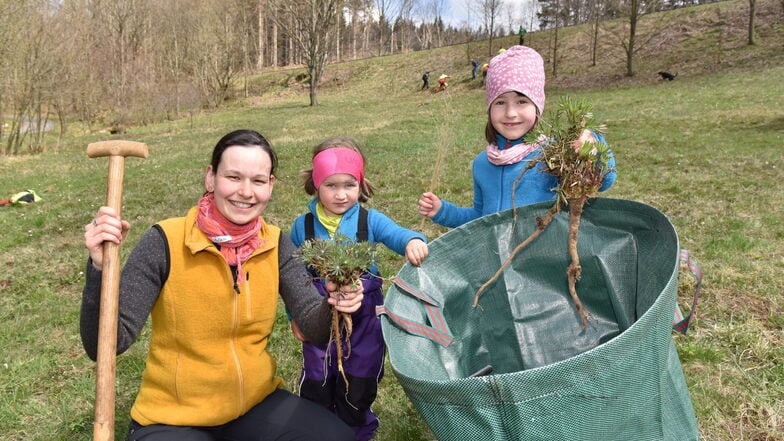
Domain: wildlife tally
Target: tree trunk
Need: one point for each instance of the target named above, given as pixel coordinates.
(354, 32)
(633, 15)
(719, 36)
(595, 42)
(274, 43)
(555, 39)
(752, 13)
(262, 35)
(314, 80)
(338, 27)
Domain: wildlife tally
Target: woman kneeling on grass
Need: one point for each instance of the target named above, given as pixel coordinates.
(211, 281)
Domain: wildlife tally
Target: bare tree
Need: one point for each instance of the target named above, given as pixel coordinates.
(489, 11)
(261, 17)
(597, 10)
(595, 30)
(402, 25)
(309, 26)
(119, 30)
(27, 88)
(438, 24)
(628, 36)
(339, 22)
(386, 10)
(552, 16)
(118, 63)
(9, 11)
(220, 49)
(629, 48)
(173, 36)
(355, 8)
(558, 14)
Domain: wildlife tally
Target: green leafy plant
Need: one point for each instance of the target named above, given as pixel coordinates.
(343, 262)
(580, 172)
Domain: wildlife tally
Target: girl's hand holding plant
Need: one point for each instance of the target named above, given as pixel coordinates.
(429, 204)
(341, 263)
(346, 298)
(585, 137)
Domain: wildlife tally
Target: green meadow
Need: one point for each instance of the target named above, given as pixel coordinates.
(705, 149)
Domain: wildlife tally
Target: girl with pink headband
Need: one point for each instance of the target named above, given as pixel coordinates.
(337, 180)
(514, 90)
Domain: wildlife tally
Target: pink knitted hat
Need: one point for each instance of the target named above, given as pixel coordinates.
(520, 69)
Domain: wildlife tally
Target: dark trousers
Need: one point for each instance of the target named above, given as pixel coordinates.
(282, 416)
(364, 367)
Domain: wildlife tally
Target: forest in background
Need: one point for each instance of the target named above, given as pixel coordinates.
(118, 63)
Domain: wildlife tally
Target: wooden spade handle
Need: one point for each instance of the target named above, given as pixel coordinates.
(105, 390)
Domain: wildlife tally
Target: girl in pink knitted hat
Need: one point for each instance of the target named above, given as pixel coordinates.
(515, 102)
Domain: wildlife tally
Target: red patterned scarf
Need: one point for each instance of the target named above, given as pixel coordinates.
(237, 242)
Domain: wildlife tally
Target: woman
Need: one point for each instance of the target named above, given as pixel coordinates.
(210, 281)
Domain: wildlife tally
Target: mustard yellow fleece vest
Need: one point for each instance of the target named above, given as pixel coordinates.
(208, 361)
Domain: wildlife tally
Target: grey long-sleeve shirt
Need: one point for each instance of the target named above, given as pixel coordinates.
(146, 271)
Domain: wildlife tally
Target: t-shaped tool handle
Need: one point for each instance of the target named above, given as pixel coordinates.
(116, 151)
(103, 429)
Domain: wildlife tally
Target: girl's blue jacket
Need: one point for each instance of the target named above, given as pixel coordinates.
(493, 188)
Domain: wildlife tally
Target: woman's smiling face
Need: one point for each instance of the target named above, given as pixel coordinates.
(242, 184)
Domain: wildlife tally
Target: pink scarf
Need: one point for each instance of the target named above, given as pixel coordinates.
(237, 242)
(511, 155)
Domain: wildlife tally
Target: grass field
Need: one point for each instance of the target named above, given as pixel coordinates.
(705, 149)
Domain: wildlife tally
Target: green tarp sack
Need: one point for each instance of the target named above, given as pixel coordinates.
(619, 379)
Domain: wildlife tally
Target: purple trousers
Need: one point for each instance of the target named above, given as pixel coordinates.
(364, 367)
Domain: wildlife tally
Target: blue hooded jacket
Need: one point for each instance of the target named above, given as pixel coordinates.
(493, 186)
(380, 229)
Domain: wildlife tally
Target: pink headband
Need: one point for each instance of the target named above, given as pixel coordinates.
(337, 160)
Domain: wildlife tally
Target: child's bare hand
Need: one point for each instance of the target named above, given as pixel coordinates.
(416, 251)
(429, 204)
(347, 298)
(586, 136)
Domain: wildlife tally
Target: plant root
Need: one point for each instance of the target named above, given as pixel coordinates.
(541, 224)
(574, 271)
(514, 185)
(342, 327)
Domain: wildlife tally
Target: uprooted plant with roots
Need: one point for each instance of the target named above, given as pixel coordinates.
(580, 169)
(343, 262)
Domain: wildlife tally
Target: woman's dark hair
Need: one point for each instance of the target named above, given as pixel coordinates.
(243, 138)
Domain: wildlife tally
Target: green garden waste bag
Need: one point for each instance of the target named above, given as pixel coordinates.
(619, 379)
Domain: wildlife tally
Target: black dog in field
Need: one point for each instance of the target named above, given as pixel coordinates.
(666, 75)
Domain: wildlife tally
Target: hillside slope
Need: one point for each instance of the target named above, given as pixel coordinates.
(689, 41)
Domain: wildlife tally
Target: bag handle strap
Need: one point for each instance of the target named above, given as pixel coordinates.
(437, 330)
(680, 323)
